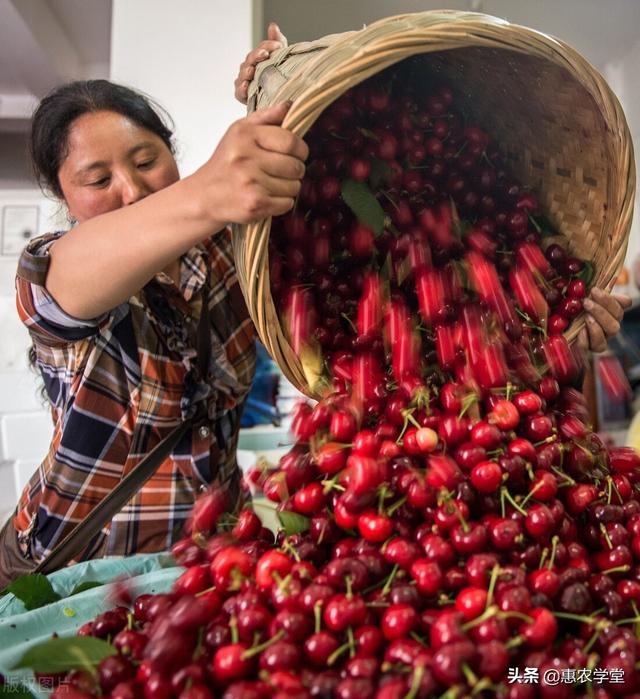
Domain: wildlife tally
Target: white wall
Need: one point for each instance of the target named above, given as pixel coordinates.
(25, 423)
(186, 56)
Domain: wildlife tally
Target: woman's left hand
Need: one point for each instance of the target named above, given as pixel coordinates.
(604, 313)
(275, 40)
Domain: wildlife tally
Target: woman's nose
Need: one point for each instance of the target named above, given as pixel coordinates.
(133, 188)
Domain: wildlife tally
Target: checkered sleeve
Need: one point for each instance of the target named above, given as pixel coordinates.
(46, 321)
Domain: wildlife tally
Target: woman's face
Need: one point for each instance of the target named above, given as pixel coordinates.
(112, 162)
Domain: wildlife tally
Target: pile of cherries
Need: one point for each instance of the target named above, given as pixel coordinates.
(447, 513)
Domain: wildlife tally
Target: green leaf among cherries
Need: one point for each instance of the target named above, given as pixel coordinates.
(359, 198)
(34, 591)
(64, 654)
(293, 523)
(542, 224)
(587, 273)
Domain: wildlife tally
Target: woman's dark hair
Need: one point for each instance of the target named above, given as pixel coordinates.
(54, 115)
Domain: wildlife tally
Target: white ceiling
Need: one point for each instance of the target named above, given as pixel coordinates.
(44, 43)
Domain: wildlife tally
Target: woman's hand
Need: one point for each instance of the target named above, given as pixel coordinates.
(275, 40)
(255, 172)
(604, 313)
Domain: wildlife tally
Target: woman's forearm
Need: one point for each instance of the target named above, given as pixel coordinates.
(102, 262)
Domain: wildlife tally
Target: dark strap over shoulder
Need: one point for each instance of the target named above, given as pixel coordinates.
(109, 506)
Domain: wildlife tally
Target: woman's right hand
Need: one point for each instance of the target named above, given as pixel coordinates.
(256, 170)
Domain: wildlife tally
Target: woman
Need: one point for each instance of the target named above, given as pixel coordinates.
(113, 305)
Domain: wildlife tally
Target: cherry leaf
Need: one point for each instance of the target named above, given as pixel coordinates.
(34, 591)
(293, 523)
(359, 198)
(542, 224)
(87, 585)
(586, 273)
(64, 654)
(380, 172)
(14, 690)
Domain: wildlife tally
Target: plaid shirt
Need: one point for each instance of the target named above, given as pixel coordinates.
(119, 384)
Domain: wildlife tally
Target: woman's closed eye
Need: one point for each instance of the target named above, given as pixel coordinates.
(99, 183)
(146, 164)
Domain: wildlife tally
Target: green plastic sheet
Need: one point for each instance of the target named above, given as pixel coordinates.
(20, 629)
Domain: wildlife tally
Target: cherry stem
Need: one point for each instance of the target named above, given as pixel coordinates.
(337, 653)
(531, 493)
(233, 625)
(416, 637)
(462, 520)
(490, 611)
(129, 620)
(568, 480)
(317, 613)
(514, 642)
(615, 487)
(554, 547)
(495, 571)
(516, 615)
(254, 650)
(404, 427)
(543, 557)
(396, 505)
(331, 485)
(592, 640)
(589, 620)
(352, 642)
(605, 534)
(416, 680)
(412, 419)
(485, 683)
(618, 569)
(467, 402)
(513, 503)
(382, 496)
(347, 582)
(390, 579)
(469, 675)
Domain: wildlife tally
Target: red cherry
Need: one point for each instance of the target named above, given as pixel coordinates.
(527, 402)
(542, 632)
(504, 415)
(428, 576)
(486, 476)
(375, 527)
(271, 564)
(230, 662)
(398, 620)
(309, 499)
(471, 602)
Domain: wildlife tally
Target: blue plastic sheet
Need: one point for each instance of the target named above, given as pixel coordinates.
(20, 629)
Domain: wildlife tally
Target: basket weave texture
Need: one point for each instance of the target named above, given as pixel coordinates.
(559, 124)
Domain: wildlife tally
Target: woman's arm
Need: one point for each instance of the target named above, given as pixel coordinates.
(255, 172)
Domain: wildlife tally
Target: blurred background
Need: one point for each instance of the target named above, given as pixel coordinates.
(186, 55)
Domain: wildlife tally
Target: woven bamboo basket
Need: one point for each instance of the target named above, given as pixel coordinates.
(560, 126)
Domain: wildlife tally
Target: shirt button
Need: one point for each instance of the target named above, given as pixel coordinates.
(204, 431)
